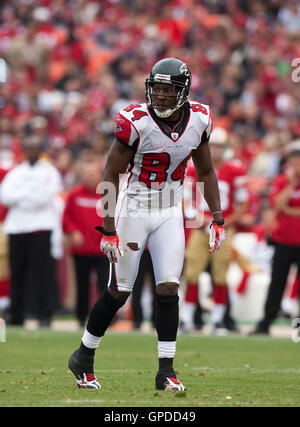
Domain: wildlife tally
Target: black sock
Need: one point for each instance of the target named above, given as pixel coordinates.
(166, 323)
(165, 364)
(87, 351)
(167, 317)
(102, 314)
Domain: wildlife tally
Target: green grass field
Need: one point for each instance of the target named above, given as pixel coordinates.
(253, 371)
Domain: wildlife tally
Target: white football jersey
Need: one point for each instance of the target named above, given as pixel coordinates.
(156, 174)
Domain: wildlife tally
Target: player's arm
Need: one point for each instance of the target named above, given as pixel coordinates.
(292, 211)
(281, 198)
(120, 155)
(206, 174)
(116, 164)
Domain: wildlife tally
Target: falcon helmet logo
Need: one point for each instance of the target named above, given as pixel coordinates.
(184, 69)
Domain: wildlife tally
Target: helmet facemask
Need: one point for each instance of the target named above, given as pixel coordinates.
(179, 93)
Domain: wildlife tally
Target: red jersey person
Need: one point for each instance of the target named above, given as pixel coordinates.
(285, 200)
(4, 269)
(232, 180)
(81, 214)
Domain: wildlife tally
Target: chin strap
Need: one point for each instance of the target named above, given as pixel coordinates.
(165, 114)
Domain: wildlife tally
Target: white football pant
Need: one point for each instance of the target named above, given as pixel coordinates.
(162, 230)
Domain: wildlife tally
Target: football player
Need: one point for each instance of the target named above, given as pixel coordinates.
(232, 181)
(156, 140)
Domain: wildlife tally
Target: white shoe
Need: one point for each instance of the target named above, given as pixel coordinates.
(87, 381)
(31, 324)
(172, 384)
(219, 330)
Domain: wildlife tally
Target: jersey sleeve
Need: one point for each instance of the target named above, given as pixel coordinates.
(125, 132)
(206, 118)
(208, 130)
(202, 120)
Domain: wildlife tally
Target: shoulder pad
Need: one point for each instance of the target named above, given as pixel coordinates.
(203, 113)
(135, 112)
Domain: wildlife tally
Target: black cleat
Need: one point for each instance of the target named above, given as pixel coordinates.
(168, 381)
(82, 367)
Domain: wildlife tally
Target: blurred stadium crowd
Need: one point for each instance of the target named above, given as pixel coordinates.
(70, 65)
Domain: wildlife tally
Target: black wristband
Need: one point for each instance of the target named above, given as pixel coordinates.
(219, 223)
(106, 233)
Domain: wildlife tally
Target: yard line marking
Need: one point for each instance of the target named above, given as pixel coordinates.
(249, 368)
(82, 401)
(121, 371)
(200, 403)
